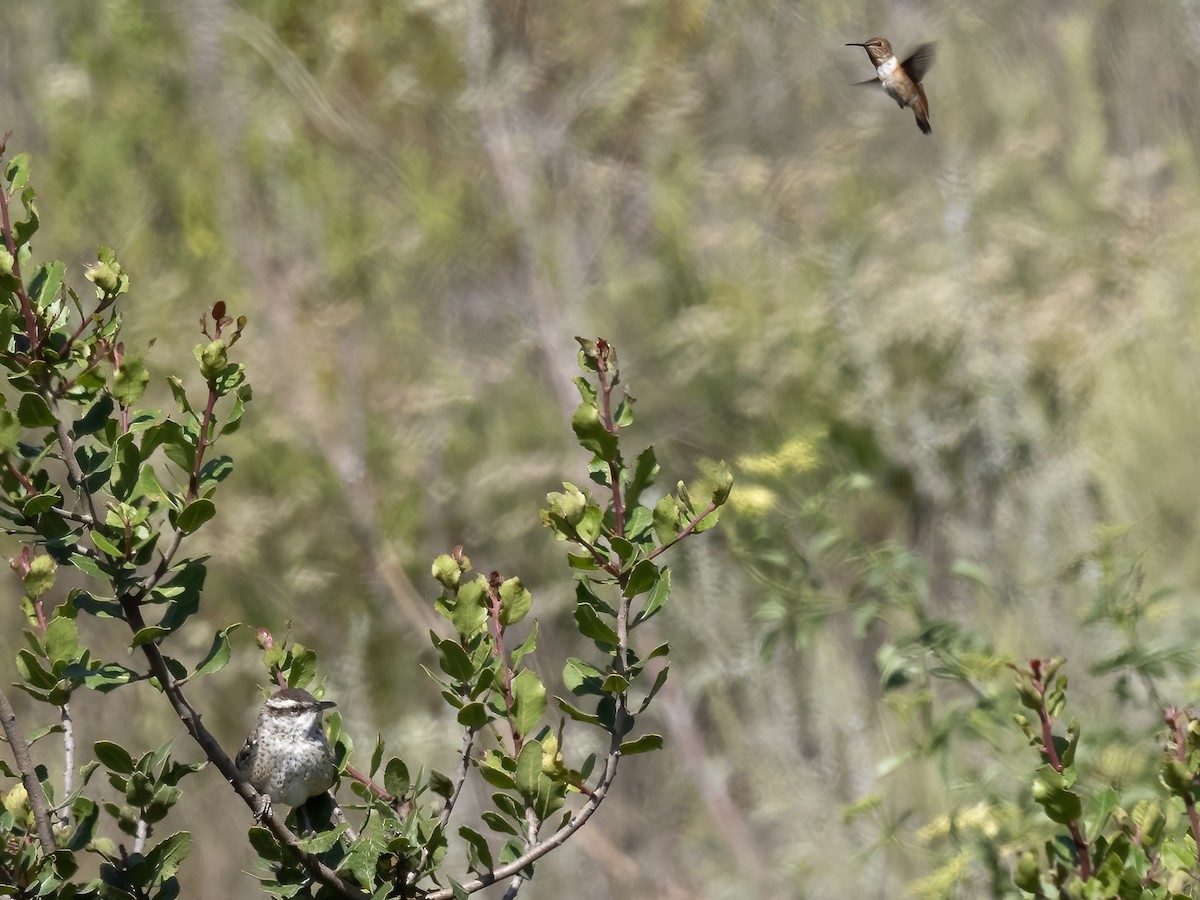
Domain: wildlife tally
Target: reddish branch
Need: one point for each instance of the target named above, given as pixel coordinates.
(1178, 725)
(31, 323)
(611, 426)
(1052, 757)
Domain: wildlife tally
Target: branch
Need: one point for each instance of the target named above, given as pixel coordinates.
(31, 325)
(33, 788)
(74, 473)
(532, 824)
(460, 778)
(64, 715)
(606, 418)
(691, 526)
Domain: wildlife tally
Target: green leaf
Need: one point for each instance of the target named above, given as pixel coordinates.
(591, 432)
(473, 715)
(658, 597)
(87, 566)
(395, 777)
(668, 518)
(362, 860)
(479, 854)
(40, 577)
(497, 777)
(529, 701)
(642, 578)
(62, 640)
(218, 654)
(323, 841)
(376, 756)
(34, 412)
(1049, 790)
(615, 684)
(264, 844)
(10, 432)
(17, 173)
(498, 823)
(580, 677)
(515, 601)
(468, 614)
(645, 744)
(527, 646)
(529, 769)
(167, 856)
(147, 634)
(46, 281)
(645, 470)
(114, 756)
(591, 626)
(95, 418)
(127, 465)
(195, 514)
(454, 661)
(105, 545)
(576, 713)
(129, 382)
(180, 393)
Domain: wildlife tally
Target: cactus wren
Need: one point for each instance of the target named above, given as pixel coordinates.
(287, 757)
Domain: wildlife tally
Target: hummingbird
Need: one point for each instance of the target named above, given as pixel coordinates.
(901, 80)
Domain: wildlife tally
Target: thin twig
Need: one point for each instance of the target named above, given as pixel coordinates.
(460, 777)
(74, 473)
(691, 526)
(33, 788)
(532, 824)
(31, 325)
(64, 716)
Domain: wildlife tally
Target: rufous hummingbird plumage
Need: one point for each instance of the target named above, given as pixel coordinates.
(901, 80)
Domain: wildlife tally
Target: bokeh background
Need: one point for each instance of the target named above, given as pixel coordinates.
(956, 377)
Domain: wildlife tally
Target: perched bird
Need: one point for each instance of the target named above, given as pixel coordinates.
(287, 757)
(902, 80)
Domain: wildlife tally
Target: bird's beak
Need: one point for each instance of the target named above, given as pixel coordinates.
(327, 704)
(856, 45)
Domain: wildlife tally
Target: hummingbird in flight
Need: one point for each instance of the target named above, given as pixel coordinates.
(901, 80)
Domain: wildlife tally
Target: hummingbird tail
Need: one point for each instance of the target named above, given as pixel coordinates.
(921, 110)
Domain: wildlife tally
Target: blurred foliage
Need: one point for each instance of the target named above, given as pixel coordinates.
(959, 371)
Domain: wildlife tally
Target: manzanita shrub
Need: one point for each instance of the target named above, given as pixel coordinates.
(93, 481)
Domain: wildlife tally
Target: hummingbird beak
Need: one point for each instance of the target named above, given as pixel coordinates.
(856, 45)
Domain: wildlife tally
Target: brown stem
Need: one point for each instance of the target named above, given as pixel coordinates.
(494, 610)
(31, 324)
(202, 444)
(33, 788)
(1179, 728)
(606, 418)
(691, 526)
(1052, 757)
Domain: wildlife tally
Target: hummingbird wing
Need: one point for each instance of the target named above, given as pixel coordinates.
(919, 63)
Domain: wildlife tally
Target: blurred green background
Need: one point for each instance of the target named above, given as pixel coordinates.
(956, 377)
